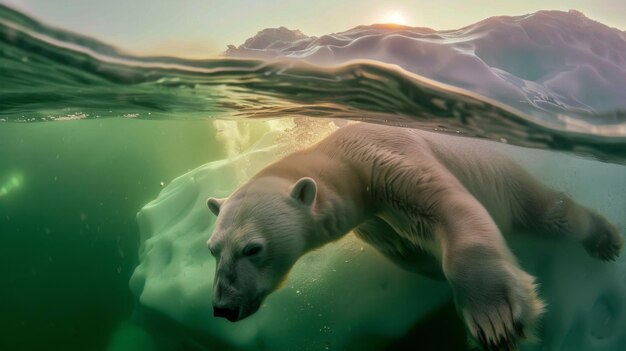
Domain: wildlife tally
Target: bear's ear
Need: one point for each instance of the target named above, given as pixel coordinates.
(214, 205)
(304, 190)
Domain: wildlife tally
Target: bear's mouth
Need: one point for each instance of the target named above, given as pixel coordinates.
(231, 314)
(237, 313)
(249, 309)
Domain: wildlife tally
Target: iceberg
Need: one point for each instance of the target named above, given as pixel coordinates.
(346, 292)
(553, 60)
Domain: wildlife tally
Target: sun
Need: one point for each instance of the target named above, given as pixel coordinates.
(395, 18)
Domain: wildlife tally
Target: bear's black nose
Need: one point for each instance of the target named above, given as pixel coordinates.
(232, 314)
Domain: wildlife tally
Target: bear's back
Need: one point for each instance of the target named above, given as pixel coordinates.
(481, 170)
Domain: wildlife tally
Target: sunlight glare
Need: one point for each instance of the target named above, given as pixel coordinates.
(395, 18)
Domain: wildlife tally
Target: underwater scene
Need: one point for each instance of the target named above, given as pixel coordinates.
(304, 192)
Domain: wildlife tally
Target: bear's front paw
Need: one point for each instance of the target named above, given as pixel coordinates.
(500, 315)
(604, 241)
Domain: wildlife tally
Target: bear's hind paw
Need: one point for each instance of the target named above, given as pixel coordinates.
(605, 243)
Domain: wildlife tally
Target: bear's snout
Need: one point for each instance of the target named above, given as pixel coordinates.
(232, 314)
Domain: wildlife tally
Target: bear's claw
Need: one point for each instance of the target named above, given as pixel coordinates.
(500, 321)
(498, 335)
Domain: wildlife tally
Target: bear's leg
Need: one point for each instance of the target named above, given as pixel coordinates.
(386, 240)
(495, 297)
(555, 212)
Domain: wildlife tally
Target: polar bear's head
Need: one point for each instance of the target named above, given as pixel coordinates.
(260, 232)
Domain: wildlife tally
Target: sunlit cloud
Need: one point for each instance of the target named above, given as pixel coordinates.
(200, 28)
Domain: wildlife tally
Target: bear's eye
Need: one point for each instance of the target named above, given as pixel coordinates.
(251, 250)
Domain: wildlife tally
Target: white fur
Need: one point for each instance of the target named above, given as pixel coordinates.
(434, 204)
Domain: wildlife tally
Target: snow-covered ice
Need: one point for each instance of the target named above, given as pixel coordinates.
(550, 59)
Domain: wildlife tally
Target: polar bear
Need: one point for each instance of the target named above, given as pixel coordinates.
(434, 204)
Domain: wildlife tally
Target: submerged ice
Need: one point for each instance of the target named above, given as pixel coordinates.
(346, 291)
(332, 298)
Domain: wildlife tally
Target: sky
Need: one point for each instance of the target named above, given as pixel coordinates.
(203, 28)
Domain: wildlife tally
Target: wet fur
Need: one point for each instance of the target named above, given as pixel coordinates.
(435, 205)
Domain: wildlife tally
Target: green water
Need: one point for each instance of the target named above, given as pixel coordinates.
(69, 235)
